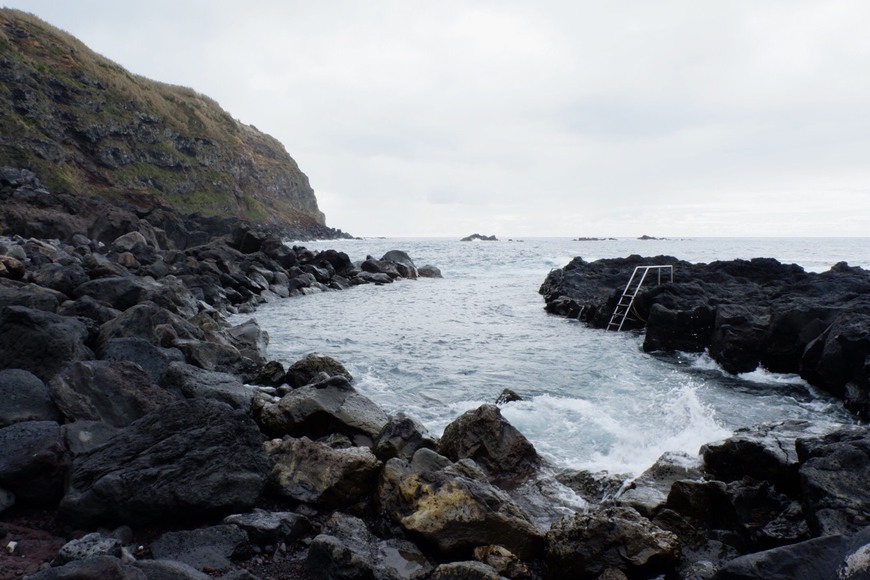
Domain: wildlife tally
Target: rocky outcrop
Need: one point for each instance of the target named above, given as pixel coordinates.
(85, 125)
(745, 313)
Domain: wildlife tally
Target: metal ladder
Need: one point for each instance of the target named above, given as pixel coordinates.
(626, 301)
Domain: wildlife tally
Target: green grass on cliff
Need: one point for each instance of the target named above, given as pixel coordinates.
(86, 125)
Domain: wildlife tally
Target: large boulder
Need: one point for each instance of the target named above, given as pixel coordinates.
(154, 360)
(402, 262)
(331, 406)
(492, 442)
(834, 473)
(24, 397)
(61, 277)
(188, 459)
(41, 342)
(314, 367)
(648, 492)
(401, 437)
(585, 545)
(347, 549)
(34, 461)
(739, 334)
(453, 507)
(312, 472)
(116, 393)
(147, 320)
(267, 528)
(195, 383)
(103, 567)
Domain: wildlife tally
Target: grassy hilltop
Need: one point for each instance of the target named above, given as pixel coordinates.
(87, 126)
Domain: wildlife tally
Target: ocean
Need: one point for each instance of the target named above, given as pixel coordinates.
(592, 400)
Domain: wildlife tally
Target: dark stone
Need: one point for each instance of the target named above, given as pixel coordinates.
(834, 473)
(88, 546)
(195, 383)
(507, 396)
(153, 359)
(270, 528)
(403, 263)
(116, 393)
(401, 437)
(585, 545)
(211, 549)
(63, 278)
(40, 342)
(188, 459)
(486, 437)
(429, 271)
(271, 375)
(24, 397)
(83, 436)
(648, 493)
(34, 461)
(309, 369)
(151, 322)
(102, 567)
(88, 307)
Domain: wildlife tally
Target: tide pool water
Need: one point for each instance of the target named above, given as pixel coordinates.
(434, 348)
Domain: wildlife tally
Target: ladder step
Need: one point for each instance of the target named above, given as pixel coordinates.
(632, 289)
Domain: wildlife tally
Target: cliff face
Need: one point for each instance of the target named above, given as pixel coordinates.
(86, 126)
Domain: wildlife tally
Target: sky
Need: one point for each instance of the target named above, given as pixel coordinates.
(571, 118)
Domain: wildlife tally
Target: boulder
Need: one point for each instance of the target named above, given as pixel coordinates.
(60, 277)
(83, 436)
(267, 528)
(169, 570)
(486, 437)
(429, 271)
(740, 332)
(250, 340)
(834, 473)
(157, 325)
(347, 549)
(188, 459)
(34, 462)
(116, 393)
(28, 295)
(331, 406)
(309, 369)
(41, 342)
(764, 452)
(401, 437)
(87, 307)
(195, 383)
(402, 262)
(453, 507)
(842, 557)
(684, 330)
(102, 567)
(585, 545)
(216, 356)
(24, 397)
(312, 472)
(127, 242)
(154, 360)
(648, 493)
(119, 292)
(502, 561)
(88, 546)
(210, 549)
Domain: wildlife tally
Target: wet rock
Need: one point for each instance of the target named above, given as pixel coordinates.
(188, 459)
(648, 493)
(347, 549)
(24, 397)
(486, 437)
(309, 369)
(116, 393)
(374, 277)
(585, 545)
(270, 375)
(331, 406)
(429, 271)
(195, 383)
(507, 396)
(270, 528)
(834, 471)
(34, 461)
(216, 356)
(311, 472)
(250, 340)
(40, 342)
(402, 262)
(450, 506)
(739, 334)
(401, 437)
(764, 452)
(211, 549)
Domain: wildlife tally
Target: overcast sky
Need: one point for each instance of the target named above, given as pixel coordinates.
(547, 118)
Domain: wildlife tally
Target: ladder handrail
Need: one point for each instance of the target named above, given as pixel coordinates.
(626, 293)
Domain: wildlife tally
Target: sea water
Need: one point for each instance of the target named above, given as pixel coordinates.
(434, 348)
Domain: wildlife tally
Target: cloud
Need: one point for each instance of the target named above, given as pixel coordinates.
(620, 118)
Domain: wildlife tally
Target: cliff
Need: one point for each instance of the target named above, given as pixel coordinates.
(85, 126)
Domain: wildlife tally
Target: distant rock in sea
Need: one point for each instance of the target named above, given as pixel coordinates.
(473, 237)
(646, 237)
(593, 239)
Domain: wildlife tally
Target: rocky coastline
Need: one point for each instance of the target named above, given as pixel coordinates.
(146, 437)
